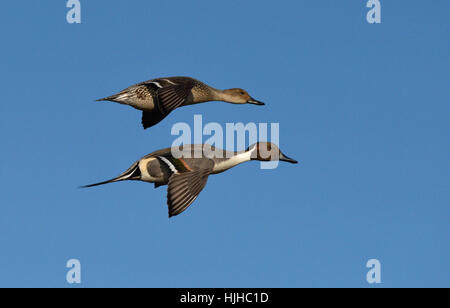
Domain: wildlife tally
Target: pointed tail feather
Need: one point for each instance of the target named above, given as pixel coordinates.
(101, 183)
(109, 98)
(119, 97)
(133, 173)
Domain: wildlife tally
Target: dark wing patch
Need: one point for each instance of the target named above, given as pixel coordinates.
(172, 97)
(184, 188)
(178, 163)
(151, 118)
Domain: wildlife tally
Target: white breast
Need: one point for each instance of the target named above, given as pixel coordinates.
(231, 162)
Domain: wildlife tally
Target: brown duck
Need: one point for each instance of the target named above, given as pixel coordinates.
(158, 97)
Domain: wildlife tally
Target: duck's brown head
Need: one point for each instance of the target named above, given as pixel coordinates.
(268, 151)
(240, 96)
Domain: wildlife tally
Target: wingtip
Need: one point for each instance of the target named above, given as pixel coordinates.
(173, 213)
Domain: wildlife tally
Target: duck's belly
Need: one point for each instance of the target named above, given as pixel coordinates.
(140, 104)
(137, 97)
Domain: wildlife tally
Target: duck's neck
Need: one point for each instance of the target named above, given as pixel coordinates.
(221, 95)
(236, 159)
(208, 94)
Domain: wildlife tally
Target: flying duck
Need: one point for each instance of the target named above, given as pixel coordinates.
(185, 169)
(158, 97)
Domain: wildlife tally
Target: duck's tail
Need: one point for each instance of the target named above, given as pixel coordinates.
(118, 98)
(111, 98)
(133, 173)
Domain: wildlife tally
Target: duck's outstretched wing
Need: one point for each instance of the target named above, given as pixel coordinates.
(171, 92)
(169, 95)
(173, 96)
(151, 118)
(184, 188)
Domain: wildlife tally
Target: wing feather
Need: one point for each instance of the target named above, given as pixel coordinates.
(184, 188)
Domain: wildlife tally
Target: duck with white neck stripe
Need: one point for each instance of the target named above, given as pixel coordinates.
(186, 175)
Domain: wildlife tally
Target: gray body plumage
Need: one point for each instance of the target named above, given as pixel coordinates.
(186, 169)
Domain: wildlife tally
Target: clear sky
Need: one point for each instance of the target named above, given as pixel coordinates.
(363, 107)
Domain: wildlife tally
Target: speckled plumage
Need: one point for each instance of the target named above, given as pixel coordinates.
(156, 98)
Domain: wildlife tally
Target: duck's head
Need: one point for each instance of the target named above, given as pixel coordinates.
(268, 151)
(240, 96)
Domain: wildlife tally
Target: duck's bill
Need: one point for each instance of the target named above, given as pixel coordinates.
(287, 159)
(255, 102)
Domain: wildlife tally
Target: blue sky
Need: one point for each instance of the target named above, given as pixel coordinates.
(364, 108)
